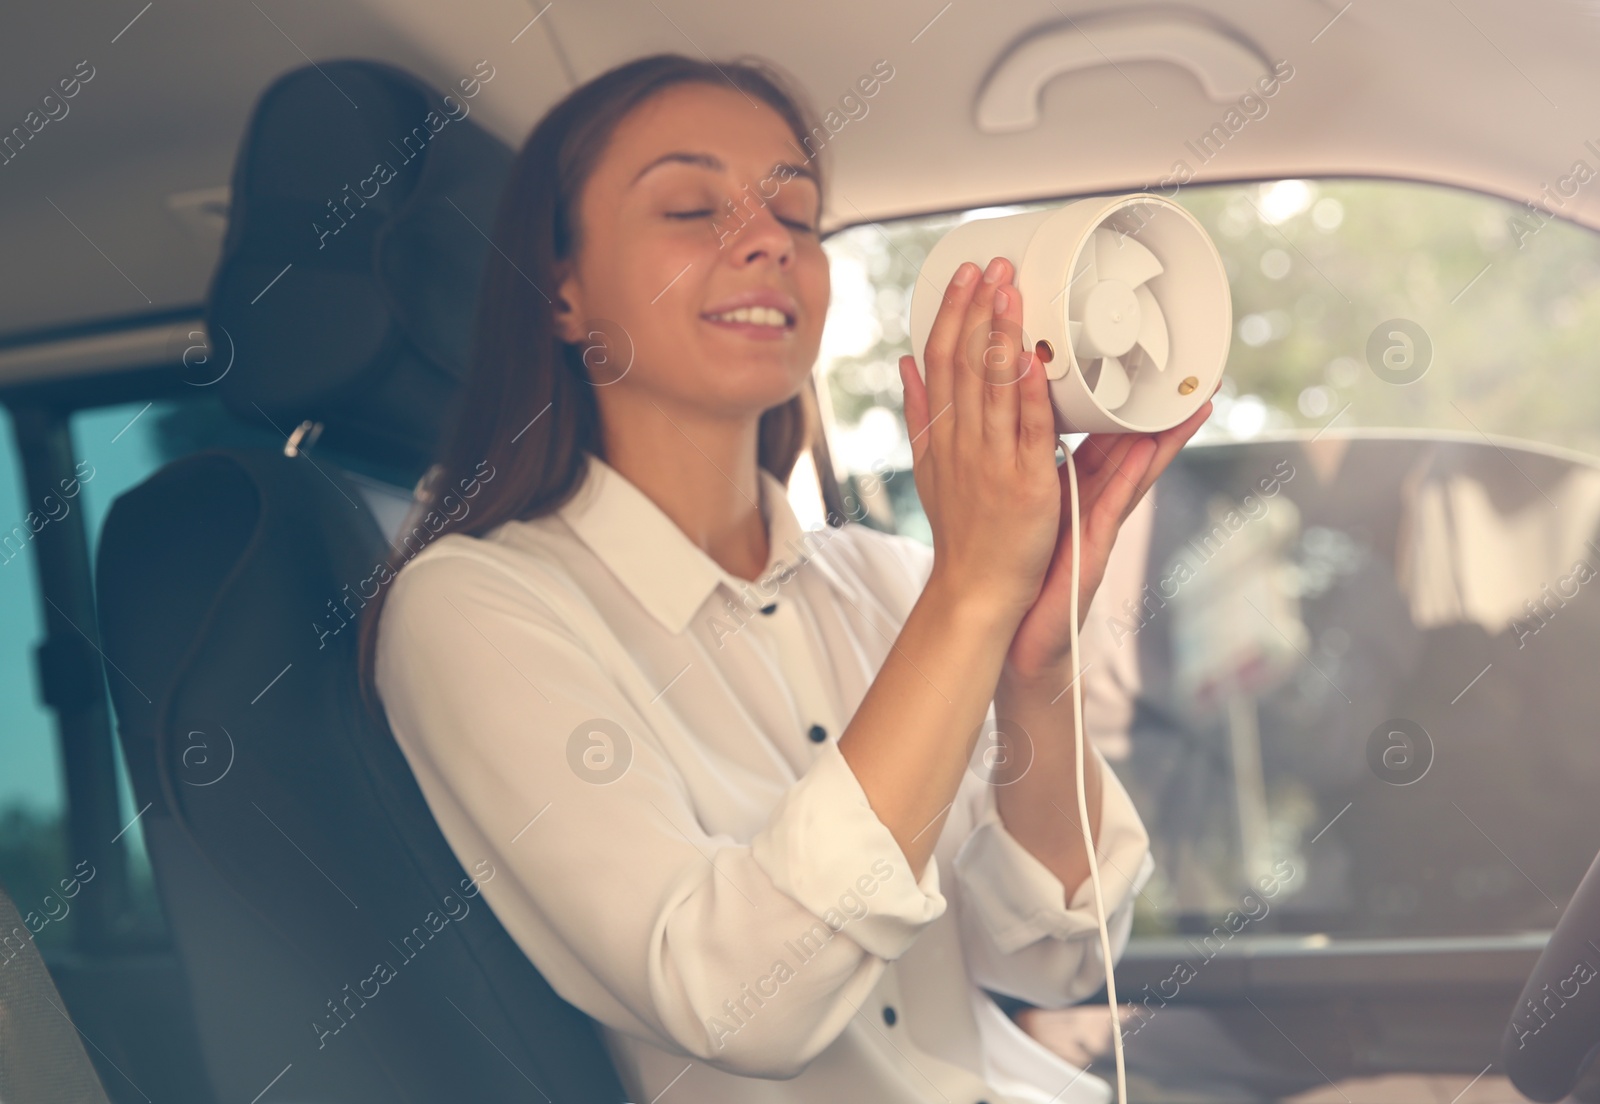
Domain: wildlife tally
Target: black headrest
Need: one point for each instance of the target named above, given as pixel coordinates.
(355, 245)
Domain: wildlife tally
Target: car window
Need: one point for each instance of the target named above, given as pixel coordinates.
(117, 447)
(36, 861)
(1341, 645)
(33, 849)
(1356, 303)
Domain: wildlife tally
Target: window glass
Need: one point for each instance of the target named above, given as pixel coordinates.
(117, 447)
(1356, 303)
(1341, 645)
(120, 446)
(33, 852)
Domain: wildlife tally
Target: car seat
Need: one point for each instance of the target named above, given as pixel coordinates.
(293, 852)
(41, 1059)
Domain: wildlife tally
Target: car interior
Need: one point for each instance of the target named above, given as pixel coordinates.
(1342, 659)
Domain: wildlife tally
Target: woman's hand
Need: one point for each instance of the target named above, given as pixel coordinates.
(983, 446)
(1114, 472)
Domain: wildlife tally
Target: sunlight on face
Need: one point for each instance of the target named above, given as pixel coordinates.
(702, 198)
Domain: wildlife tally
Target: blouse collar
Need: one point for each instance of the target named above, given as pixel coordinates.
(661, 567)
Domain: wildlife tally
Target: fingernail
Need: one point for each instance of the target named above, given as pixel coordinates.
(992, 273)
(1001, 299)
(965, 274)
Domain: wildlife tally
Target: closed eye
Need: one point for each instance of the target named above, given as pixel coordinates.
(802, 226)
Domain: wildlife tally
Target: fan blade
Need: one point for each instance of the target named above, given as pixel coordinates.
(1111, 390)
(1119, 257)
(1082, 282)
(1152, 328)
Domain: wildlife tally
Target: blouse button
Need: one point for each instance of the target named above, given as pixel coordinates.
(889, 1016)
(817, 734)
(770, 607)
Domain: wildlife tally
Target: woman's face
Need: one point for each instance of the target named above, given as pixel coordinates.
(688, 214)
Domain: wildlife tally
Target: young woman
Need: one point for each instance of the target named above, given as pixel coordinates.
(722, 768)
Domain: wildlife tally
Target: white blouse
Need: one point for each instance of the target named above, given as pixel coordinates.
(641, 746)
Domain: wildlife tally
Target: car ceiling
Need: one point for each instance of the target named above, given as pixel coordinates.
(113, 213)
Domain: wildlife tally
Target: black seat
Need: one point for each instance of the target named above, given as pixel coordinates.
(335, 945)
(41, 1058)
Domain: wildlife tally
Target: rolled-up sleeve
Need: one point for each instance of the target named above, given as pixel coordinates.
(1023, 935)
(812, 850)
(751, 955)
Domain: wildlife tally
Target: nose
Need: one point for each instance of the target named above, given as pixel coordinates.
(758, 233)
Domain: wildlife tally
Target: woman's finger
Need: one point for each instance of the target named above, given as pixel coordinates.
(938, 357)
(1036, 436)
(1101, 453)
(1113, 498)
(1002, 408)
(916, 408)
(1168, 444)
(972, 350)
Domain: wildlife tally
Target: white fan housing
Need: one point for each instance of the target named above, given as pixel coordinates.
(1126, 295)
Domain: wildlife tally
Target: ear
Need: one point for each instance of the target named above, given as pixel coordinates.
(567, 306)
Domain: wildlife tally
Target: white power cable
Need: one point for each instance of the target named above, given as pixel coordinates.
(1083, 797)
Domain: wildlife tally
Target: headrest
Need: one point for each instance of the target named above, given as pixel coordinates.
(355, 244)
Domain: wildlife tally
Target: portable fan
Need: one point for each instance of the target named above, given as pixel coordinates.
(1124, 300)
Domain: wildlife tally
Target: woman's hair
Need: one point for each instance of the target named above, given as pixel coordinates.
(514, 444)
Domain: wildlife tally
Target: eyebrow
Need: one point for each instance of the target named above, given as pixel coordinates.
(714, 163)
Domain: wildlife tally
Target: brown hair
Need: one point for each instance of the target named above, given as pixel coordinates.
(518, 366)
